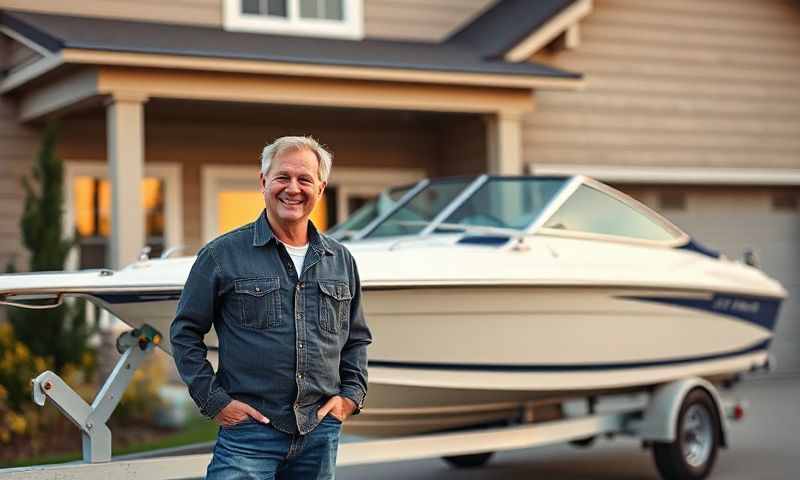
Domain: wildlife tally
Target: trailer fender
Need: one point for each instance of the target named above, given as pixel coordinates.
(659, 421)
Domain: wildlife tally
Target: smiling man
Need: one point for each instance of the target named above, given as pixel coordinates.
(285, 302)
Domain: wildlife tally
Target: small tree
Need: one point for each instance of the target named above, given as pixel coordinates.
(62, 333)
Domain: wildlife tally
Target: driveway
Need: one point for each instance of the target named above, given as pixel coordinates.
(763, 446)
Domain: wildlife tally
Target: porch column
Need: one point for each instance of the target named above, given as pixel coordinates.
(125, 140)
(504, 143)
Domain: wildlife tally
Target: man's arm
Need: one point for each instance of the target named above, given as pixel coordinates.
(193, 320)
(353, 366)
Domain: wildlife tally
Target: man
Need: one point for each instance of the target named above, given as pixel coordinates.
(285, 302)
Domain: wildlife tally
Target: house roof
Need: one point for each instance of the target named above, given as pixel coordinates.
(505, 24)
(471, 50)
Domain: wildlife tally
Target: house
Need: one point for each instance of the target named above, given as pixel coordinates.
(691, 107)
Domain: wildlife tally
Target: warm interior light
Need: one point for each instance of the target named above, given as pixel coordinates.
(236, 208)
(93, 216)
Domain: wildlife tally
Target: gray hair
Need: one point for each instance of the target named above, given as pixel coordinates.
(284, 144)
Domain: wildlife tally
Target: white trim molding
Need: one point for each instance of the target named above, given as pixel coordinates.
(20, 74)
(170, 173)
(351, 27)
(565, 22)
(348, 181)
(674, 175)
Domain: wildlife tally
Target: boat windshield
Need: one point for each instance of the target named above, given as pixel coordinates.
(417, 213)
(512, 203)
(368, 212)
(503, 203)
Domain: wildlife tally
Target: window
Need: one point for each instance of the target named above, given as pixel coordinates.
(231, 197)
(316, 18)
(592, 211)
(92, 208)
(88, 210)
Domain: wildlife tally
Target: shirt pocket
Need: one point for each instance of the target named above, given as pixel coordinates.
(334, 305)
(259, 300)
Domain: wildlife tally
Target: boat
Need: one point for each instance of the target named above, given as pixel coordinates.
(492, 297)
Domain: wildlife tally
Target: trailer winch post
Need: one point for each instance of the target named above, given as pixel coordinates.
(135, 346)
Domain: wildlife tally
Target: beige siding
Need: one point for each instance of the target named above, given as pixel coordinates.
(425, 20)
(18, 148)
(678, 82)
(197, 12)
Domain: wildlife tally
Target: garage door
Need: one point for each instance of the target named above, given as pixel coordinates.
(733, 219)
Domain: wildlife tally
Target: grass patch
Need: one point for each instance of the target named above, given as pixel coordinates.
(197, 430)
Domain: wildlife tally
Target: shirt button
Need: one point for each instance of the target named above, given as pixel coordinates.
(299, 375)
(300, 345)
(258, 289)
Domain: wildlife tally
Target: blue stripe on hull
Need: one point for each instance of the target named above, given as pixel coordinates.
(117, 298)
(760, 311)
(566, 367)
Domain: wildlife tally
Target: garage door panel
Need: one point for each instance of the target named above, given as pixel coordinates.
(733, 220)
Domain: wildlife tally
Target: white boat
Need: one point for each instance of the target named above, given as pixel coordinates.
(489, 295)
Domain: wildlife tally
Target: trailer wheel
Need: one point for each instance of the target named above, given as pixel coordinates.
(692, 454)
(583, 442)
(469, 461)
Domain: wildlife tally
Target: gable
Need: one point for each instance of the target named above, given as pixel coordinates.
(15, 52)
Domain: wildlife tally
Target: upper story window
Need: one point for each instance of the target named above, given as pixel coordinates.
(316, 18)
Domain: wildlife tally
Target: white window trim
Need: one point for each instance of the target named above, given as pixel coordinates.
(352, 27)
(347, 180)
(170, 173)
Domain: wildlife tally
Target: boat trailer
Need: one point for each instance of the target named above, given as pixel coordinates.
(684, 421)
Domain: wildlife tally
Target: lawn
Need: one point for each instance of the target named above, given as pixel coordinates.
(198, 430)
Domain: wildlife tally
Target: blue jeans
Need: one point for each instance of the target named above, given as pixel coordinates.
(252, 450)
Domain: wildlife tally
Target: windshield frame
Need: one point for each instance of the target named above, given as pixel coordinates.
(464, 195)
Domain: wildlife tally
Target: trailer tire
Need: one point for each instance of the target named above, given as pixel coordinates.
(583, 442)
(473, 460)
(692, 454)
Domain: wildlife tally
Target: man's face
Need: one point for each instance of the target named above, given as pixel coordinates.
(292, 186)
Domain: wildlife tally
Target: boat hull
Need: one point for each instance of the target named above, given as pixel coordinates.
(416, 401)
(450, 356)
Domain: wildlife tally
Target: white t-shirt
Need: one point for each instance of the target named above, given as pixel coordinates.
(297, 254)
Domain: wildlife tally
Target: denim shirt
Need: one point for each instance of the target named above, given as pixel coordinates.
(288, 341)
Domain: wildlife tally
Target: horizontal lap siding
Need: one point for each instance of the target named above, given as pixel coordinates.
(196, 12)
(426, 20)
(678, 82)
(18, 148)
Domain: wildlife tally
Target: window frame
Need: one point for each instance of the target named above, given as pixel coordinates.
(347, 180)
(168, 172)
(351, 27)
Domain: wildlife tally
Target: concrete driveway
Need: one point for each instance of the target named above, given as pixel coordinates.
(764, 446)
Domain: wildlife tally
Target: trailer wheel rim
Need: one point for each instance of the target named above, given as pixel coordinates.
(698, 436)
